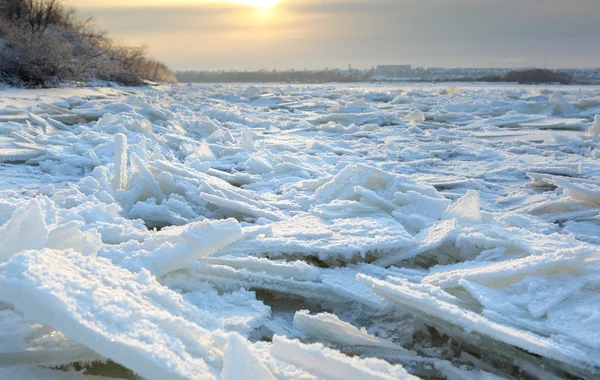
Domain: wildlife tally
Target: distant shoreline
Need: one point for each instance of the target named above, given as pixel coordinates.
(529, 76)
(441, 81)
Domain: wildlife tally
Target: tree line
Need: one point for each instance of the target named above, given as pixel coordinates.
(289, 76)
(44, 43)
(531, 76)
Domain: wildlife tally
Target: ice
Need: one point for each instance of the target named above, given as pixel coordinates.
(174, 248)
(195, 231)
(416, 115)
(239, 361)
(25, 230)
(394, 194)
(28, 342)
(202, 153)
(16, 154)
(557, 123)
(470, 321)
(118, 314)
(120, 180)
(251, 92)
(466, 209)
(561, 106)
(586, 192)
(238, 311)
(240, 207)
(328, 327)
(329, 364)
(327, 239)
(69, 235)
(247, 140)
(594, 130)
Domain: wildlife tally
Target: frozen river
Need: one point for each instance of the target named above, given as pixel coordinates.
(273, 231)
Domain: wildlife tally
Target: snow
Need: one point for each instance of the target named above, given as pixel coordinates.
(328, 231)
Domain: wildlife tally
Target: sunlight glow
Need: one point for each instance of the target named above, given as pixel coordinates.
(258, 3)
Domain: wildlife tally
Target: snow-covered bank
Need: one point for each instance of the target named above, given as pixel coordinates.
(337, 232)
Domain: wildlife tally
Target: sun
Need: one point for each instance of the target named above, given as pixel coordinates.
(259, 3)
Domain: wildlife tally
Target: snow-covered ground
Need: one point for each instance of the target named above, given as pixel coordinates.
(335, 232)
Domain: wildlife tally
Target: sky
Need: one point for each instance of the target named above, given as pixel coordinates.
(315, 34)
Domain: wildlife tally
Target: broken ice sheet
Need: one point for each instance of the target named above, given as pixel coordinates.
(126, 317)
(175, 247)
(321, 181)
(22, 341)
(337, 239)
(331, 364)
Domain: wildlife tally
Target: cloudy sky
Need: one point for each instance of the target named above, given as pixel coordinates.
(250, 34)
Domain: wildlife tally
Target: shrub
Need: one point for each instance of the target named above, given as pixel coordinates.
(43, 43)
(534, 76)
(37, 60)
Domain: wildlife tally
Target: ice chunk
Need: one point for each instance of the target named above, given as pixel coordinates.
(237, 311)
(330, 328)
(142, 185)
(341, 187)
(247, 140)
(241, 362)
(107, 119)
(401, 99)
(15, 154)
(418, 211)
(25, 230)
(251, 92)
(143, 126)
(594, 130)
(126, 317)
(336, 239)
(298, 270)
(557, 124)
(561, 106)
(450, 90)
(259, 164)
(371, 197)
(370, 127)
(416, 115)
(6, 210)
(23, 341)
(384, 184)
(437, 310)
(428, 239)
(586, 192)
(120, 179)
(70, 236)
(330, 285)
(202, 153)
(175, 248)
(466, 209)
(333, 365)
(241, 207)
